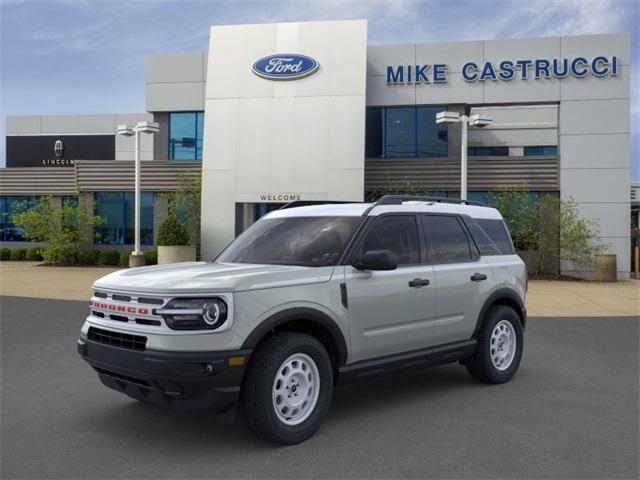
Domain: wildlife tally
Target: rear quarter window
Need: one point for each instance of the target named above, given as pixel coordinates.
(497, 231)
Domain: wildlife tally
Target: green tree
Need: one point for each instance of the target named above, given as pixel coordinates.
(548, 231)
(185, 204)
(61, 227)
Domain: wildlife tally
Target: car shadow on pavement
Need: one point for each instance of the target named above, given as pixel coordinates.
(149, 425)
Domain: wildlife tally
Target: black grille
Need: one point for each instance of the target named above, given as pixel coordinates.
(152, 301)
(121, 298)
(117, 339)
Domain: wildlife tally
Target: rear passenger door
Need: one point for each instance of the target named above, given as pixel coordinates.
(462, 278)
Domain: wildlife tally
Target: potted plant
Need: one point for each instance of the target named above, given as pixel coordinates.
(173, 242)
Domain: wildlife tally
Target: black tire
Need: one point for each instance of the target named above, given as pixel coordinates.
(480, 365)
(256, 397)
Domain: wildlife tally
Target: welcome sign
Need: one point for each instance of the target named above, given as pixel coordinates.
(507, 70)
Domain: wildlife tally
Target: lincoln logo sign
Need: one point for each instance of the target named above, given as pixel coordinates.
(58, 148)
(506, 70)
(285, 66)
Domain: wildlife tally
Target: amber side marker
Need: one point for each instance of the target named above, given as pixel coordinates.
(236, 361)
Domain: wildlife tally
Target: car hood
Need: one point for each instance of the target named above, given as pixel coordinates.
(203, 277)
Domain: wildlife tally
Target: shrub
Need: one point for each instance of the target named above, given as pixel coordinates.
(90, 257)
(109, 257)
(18, 253)
(34, 254)
(124, 258)
(62, 228)
(151, 257)
(172, 232)
(5, 254)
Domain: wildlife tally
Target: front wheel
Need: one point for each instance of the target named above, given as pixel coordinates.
(499, 349)
(287, 388)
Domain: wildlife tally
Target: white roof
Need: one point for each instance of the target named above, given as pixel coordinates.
(357, 209)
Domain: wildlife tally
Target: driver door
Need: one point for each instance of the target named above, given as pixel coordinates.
(389, 312)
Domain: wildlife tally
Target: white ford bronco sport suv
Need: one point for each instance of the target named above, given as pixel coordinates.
(310, 297)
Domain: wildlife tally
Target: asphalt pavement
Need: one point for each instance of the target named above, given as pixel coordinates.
(570, 412)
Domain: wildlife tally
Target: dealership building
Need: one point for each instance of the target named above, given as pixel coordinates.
(309, 111)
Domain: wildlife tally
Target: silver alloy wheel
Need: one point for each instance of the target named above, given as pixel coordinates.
(503, 345)
(295, 389)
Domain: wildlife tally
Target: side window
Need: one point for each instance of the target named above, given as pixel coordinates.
(483, 242)
(497, 231)
(447, 241)
(398, 233)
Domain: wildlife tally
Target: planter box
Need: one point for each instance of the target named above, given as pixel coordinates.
(175, 254)
(606, 268)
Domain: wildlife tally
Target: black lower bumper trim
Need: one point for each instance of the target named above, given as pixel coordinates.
(189, 381)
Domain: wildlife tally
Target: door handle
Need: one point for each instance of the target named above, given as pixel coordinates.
(478, 277)
(419, 282)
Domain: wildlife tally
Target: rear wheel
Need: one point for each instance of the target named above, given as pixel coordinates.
(287, 388)
(499, 349)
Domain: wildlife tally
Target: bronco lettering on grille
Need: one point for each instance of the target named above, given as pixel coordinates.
(120, 308)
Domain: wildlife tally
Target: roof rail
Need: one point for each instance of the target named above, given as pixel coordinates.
(399, 199)
(305, 203)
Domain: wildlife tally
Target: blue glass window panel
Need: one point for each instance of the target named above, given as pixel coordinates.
(482, 197)
(10, 205)
(400, 132)
(538, 151)
(488, 151)
(432, 138)
(436, 193)
(110, 208)
(185, 135)
(374, 133)
(146, 218)
(117, 212)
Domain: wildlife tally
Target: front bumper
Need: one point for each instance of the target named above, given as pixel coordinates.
(190, 381)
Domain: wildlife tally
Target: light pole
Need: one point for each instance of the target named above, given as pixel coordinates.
(136, 259)
(478, 120)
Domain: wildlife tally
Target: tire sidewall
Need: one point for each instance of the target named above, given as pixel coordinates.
(297, 433)
(494, 316)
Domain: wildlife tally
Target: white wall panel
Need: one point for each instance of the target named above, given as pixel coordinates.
(595, 151)
(55, 124)
(594, 117)
(174, 97)
(596, 185)
(613, 218)
(23, 125)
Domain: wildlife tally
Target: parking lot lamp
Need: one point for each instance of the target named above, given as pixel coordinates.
(477, 120)
(136, 259)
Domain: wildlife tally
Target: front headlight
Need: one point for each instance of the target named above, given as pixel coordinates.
(194, 313)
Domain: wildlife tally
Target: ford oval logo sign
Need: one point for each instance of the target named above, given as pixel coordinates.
(285, 66)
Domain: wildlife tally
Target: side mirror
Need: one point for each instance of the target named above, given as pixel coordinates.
(378, 260)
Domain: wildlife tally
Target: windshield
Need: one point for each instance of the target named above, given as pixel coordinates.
(305, 241)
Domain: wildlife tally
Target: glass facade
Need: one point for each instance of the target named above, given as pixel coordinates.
(488, 151)
(541, 151)
(405, 132)
(10, 205)
(185, 135)
(117, 212)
